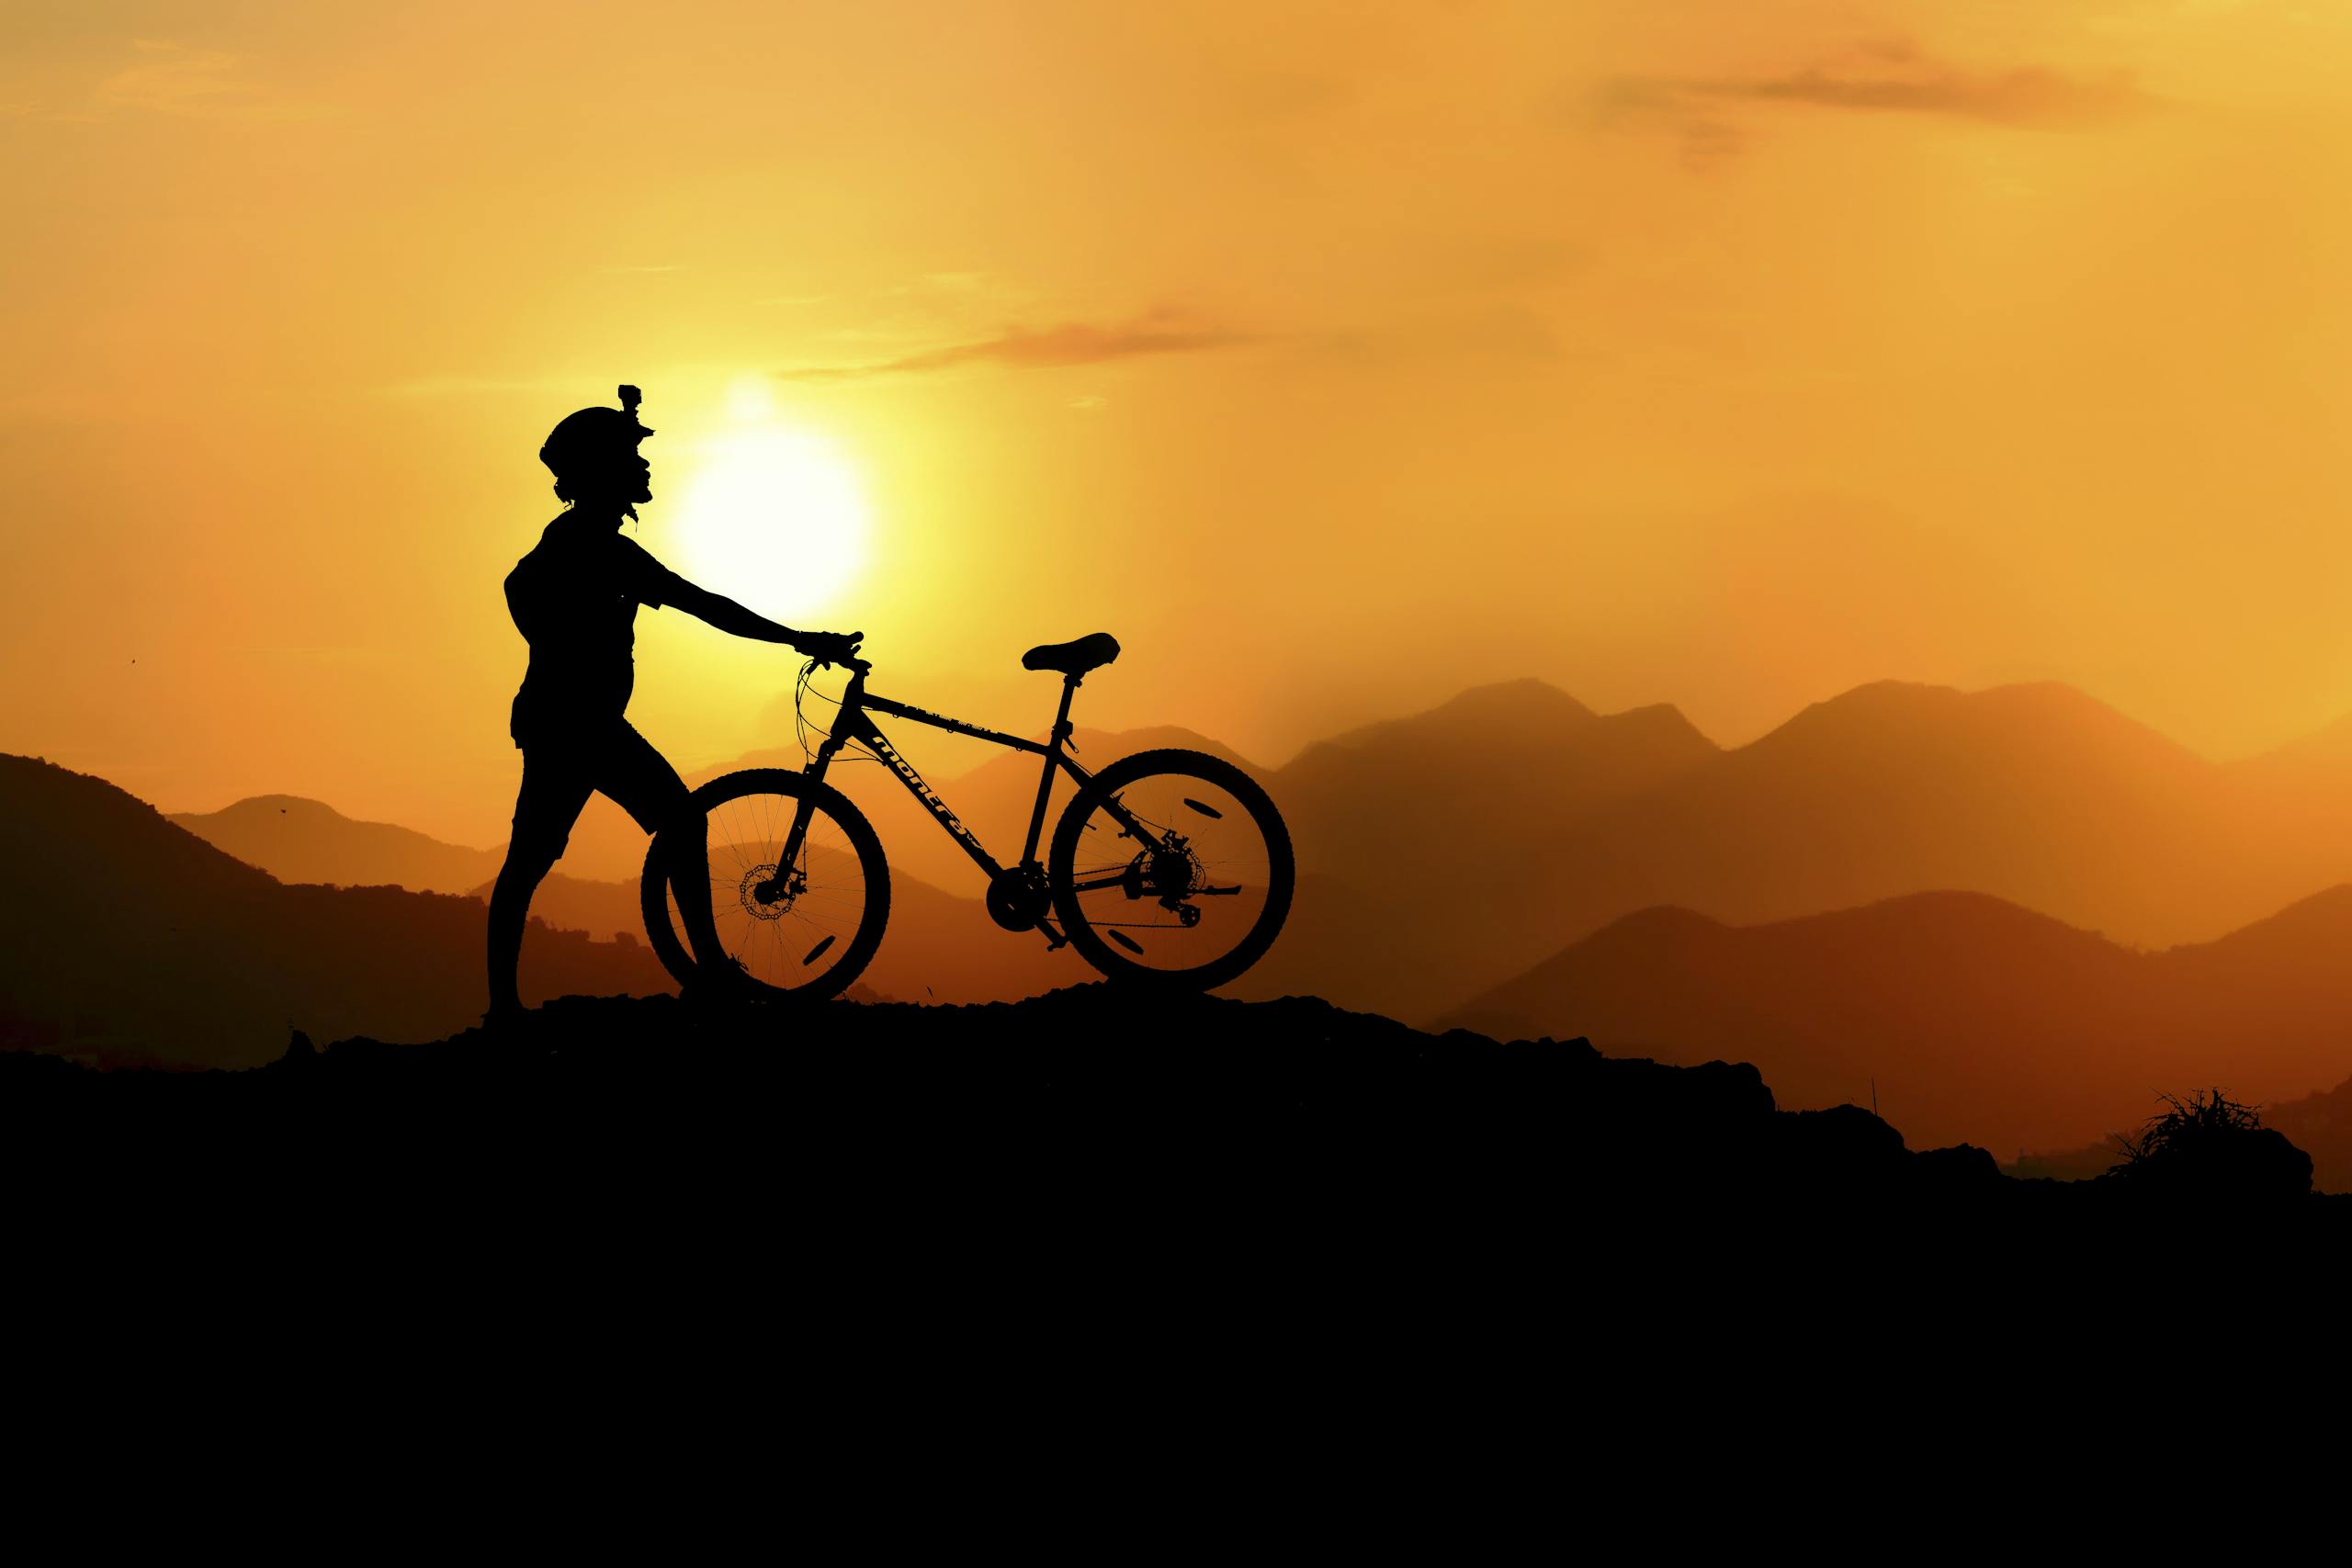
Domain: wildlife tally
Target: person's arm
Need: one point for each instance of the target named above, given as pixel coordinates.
(728, 615)
(737, 620)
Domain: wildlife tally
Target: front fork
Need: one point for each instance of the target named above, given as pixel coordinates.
(788, 875)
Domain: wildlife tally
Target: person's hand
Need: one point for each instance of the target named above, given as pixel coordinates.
(830, 649)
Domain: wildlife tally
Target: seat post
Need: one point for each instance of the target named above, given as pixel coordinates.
(1046, 777)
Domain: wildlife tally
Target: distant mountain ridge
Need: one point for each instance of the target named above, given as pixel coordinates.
(1965, 1012)
(297, 839)
(1443, 852)
(2036, 793)
(1510, 759)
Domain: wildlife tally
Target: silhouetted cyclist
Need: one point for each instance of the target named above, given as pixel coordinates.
(575, 599)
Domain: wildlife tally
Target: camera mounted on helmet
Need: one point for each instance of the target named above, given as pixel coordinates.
(594, 442)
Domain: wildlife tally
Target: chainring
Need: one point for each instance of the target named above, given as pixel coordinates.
(1017, 898)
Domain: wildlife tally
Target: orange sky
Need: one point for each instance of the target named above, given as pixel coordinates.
(1334, 356)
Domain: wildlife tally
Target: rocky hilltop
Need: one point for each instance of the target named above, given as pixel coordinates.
(1290, 1122)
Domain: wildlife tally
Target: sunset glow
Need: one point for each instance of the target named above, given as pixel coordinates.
(780, 515)
(1729, 356)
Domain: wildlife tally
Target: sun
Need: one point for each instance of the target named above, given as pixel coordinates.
(775, 518)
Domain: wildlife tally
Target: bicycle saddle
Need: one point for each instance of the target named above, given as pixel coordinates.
(1090, 652)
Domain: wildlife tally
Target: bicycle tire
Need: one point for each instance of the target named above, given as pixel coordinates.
(1171, 763)
(653, 886)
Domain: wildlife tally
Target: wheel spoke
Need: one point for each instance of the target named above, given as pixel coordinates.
(813, 940)
(1198, 833)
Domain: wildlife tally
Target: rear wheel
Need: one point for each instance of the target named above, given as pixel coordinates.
(804, 928)
(1171, 868)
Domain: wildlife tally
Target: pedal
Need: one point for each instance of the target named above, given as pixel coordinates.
(1053, 938)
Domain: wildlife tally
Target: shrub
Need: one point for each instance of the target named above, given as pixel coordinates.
(2187, 1128)
(2208, 1147)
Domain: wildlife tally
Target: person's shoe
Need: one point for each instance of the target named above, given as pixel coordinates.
(505, 1017)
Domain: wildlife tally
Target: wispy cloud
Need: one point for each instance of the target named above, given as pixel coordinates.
(207, 83)
(2027, 98)
(1072, 343)
(1880, 78)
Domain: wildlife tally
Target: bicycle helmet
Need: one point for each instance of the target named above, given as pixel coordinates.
(590, 439)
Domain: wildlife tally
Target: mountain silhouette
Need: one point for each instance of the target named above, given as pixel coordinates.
(1413, 836)
(131, 940)
(1442, 853)
(1497, 765)
(2322, 758)
(2034, 793)
(1978, 1019)
(296, 840)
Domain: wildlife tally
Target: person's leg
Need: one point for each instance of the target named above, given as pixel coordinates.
(645, 785)
(555, 786)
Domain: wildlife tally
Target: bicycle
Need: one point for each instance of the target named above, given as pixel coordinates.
(1170, 868)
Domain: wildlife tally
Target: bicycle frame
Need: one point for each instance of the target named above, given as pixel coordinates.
(856, 722)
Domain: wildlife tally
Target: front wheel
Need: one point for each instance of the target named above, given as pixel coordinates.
(1172, 868)
(802, 913)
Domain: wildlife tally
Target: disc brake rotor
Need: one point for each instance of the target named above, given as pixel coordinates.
(764, 879)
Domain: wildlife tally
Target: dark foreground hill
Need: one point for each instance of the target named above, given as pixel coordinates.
(1089, 1114)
